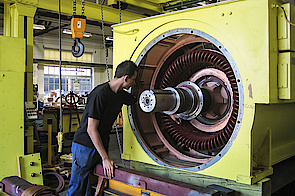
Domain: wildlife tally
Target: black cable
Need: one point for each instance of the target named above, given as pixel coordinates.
(61, 181)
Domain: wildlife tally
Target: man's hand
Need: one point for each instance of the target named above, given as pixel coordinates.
(108, 167)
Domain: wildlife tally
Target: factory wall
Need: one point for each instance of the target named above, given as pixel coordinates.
(93, 46)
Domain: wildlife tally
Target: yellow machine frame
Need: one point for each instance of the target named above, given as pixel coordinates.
(247, 29)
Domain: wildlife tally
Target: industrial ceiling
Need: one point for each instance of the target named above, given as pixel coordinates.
(47, 13)
(48, 17)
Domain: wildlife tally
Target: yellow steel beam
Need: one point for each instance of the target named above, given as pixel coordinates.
(14, 19)
(92, 10)
(164, 1)
(159, 1)
(29, 67)
(7, 19)
(18, 28)
(128, 189)
(144, 4)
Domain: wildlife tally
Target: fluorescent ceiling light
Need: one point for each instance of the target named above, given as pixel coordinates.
(109, 38)
(68, 31)
(39, 27)
(87, 35)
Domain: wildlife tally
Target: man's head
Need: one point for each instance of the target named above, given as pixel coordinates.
(126, 68)
(127, 71)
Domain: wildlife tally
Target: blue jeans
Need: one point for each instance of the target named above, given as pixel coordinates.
(83, 163)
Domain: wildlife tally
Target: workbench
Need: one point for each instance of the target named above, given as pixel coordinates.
(54, 114)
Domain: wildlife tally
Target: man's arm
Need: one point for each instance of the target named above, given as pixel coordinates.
(108, 164)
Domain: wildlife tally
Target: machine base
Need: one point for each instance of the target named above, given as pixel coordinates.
(263, 187)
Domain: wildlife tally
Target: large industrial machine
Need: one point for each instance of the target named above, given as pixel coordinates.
(215, 87)
(225, 71)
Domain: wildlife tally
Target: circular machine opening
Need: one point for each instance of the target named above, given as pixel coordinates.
(199, 141)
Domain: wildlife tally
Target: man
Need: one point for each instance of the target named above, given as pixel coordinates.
(90, 143)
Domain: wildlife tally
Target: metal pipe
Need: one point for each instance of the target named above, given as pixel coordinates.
(49, 124)
(60, 133)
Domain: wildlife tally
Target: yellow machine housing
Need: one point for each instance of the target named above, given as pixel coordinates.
(257, 41)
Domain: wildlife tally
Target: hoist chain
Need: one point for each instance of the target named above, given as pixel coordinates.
(107, 70)
(103, 39)
(82, 8)
(120, 10)
(83, 4)
(74, 7)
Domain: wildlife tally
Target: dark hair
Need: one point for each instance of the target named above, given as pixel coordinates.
(125, 68)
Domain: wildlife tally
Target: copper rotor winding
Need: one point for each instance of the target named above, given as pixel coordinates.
(183, 68)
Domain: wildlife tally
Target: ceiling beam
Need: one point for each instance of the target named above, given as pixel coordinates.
(79, 64)
(92, 10)
(140, 3)
(46, 15)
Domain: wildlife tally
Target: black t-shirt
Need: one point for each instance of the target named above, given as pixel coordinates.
(104, 105)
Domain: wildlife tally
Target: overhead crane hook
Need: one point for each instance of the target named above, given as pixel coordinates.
(78, 25)
(80, 51)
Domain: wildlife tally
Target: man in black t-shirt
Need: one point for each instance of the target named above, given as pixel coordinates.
(91, 140)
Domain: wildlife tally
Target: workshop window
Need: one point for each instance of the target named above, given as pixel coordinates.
(51, 84)
(73, 79)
